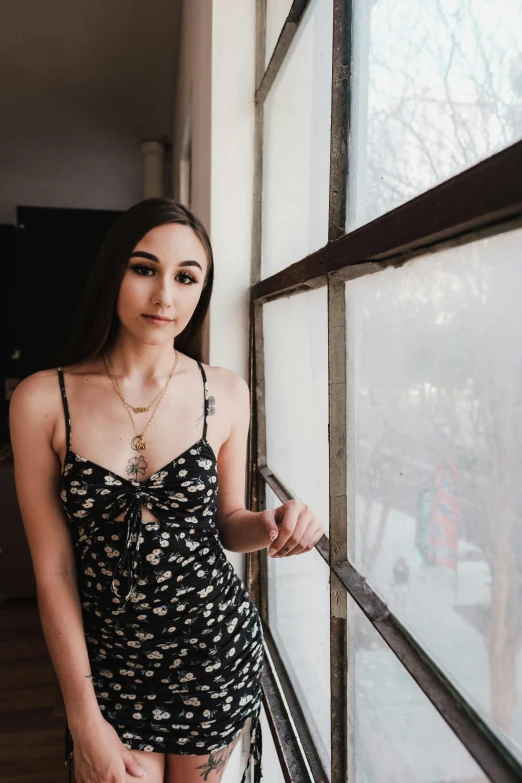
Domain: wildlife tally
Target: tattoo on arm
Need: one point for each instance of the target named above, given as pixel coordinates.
(211, 408)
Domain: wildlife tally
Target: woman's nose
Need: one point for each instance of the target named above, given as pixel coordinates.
(162, 295)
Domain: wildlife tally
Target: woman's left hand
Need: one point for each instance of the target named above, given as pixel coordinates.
(298, 528)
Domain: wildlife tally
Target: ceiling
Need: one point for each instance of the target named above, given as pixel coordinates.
(84, 75)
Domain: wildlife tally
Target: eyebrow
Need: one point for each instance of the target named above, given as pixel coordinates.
(151, 257)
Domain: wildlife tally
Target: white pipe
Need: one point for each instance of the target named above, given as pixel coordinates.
(153, 168)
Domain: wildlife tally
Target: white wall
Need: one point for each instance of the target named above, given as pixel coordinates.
(217, 74)
(194, 91)
(232, 166)
(216, 84)
(104, 174)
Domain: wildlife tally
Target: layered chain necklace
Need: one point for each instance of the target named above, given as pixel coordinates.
(137, 443)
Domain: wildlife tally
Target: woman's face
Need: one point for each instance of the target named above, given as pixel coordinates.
(164, 276)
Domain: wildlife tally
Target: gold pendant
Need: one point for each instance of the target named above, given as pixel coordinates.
(138, 444)
(141, 410)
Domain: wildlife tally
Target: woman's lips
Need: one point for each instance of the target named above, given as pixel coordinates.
(158, 321)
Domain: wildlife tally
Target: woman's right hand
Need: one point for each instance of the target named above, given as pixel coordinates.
(100, 756)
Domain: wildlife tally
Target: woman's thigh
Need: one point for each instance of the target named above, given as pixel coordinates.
(199, 769)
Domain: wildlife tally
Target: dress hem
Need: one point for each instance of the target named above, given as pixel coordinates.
(254, 753)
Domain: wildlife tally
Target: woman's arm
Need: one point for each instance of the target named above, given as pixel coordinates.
(239, 530)
(290, 529)
(37, 480)
(33, 409)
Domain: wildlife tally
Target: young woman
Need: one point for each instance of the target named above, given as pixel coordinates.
(156, 643)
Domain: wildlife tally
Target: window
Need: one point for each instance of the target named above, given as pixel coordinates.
(387, 371)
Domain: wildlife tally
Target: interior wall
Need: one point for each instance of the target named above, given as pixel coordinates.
(193, 99)
(100, 175)
(215, 100)
(216, 91)
(80, 86)
(232, 177)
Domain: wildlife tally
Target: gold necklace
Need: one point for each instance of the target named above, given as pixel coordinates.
(138, 408)
(137, 443)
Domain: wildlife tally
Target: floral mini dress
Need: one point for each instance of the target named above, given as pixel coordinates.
(175, 642)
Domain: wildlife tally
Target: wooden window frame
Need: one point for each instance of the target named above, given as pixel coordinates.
(486, 199)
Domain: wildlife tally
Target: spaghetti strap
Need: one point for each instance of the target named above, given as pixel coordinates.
(206, 400)
(65, 408)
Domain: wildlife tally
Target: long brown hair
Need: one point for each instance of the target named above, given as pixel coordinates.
(97, 322)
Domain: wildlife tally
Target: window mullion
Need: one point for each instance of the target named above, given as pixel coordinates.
(341, 91)
(338, 527)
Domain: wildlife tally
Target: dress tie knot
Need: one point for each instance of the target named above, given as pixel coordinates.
(130, 560)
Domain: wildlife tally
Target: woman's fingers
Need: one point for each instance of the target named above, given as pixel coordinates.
(313, 534)
(286, 517)
(132, 766)
(296, 519)
(299, 529)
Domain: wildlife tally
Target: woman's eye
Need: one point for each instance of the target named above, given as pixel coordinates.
(142, 270)
(188, 277)
(139, 269)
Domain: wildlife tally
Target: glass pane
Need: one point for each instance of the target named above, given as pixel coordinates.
(296, 146)
(437, 88)
(299, 611)
(397, 734)
(296, 395)
(435, 451)
(276, 13)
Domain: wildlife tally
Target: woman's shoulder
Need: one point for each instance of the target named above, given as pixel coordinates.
(231, 394)
(226, 380)
(35, 399)
(45, 382)
(36, 385)
(41, 388)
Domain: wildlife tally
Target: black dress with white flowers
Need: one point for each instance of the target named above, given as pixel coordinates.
(175, 642)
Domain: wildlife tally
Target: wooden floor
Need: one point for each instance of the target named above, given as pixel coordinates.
(32, 716)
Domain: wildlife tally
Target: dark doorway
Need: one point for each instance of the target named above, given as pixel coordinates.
(55, 252)
(46, 261)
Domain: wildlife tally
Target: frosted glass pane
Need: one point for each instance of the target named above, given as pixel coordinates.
(296, 395)
(397, 735)
(276, 13)
(299, 610)
(434, 455)
(296, 145)
(437, 88)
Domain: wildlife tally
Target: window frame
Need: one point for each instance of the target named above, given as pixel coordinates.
(483, 199)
